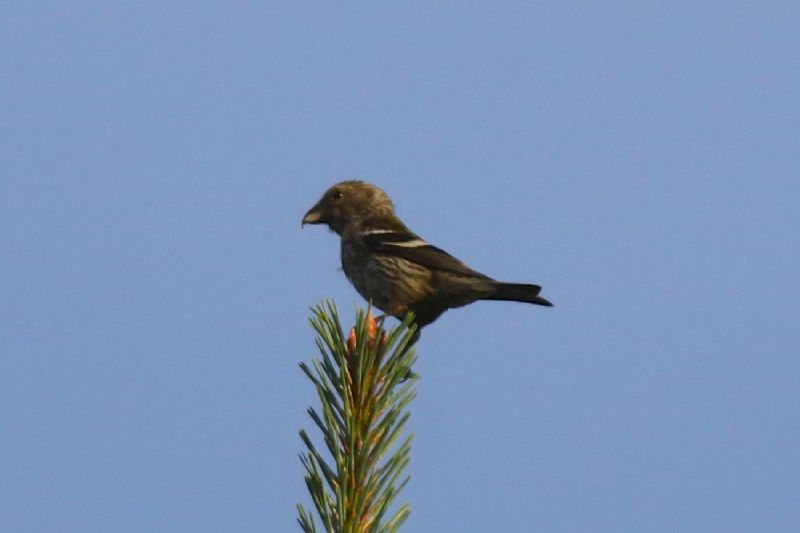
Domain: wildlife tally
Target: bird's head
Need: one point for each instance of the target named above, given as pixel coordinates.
(347, 202)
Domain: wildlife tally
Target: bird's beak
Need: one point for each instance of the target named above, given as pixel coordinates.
(314, 216)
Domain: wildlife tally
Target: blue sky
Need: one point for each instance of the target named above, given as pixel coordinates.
(638, 160)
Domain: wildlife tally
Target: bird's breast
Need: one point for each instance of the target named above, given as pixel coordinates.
(391, 283)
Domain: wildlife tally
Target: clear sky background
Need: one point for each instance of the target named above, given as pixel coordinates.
(639, 160)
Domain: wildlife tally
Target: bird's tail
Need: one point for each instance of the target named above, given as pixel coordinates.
(517, 292)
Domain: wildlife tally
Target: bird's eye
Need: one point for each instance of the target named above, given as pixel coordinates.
(337, 195)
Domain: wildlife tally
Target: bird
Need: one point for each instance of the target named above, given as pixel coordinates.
(397, 270)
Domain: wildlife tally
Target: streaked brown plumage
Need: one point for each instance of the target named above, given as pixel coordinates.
(397, 270)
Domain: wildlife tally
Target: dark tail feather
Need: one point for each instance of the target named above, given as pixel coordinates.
(518, 292)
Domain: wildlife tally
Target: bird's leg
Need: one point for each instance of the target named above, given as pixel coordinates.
(380, 319)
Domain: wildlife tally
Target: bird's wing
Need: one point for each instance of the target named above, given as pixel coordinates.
(413, 248)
